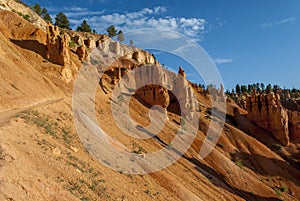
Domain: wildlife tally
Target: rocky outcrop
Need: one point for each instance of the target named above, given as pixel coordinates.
(143, 57)
(217, 94)
(267, 112)
(90, 43)
(57, 46)
(154, 95)
(170, 91)
(291, 104)
(152, 84)
(181, 72)
(294, 125)
(82, 52)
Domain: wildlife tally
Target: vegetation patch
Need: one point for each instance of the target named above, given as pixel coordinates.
(239, 163)
(277, 147)
(48, 125)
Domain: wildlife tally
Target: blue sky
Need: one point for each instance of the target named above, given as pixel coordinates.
(250, 41)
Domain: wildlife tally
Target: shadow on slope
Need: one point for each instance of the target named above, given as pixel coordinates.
(270, 166)
(246, 195)
(31, 45)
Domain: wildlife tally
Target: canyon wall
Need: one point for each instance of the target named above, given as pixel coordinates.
(268, 113)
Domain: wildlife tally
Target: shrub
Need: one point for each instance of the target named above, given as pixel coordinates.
(26, 17)
(278, 147)
(72, 44)
(239, 163)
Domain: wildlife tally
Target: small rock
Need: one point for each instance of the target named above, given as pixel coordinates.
(56, 151)
(74, 149)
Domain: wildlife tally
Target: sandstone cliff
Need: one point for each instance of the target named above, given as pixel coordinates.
(268, 113)
(294, 125)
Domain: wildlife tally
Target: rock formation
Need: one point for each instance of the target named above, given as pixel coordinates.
(82, 52)
(294, 125)
(181, 72)
(267, 112)
(143, 57)
(90, 43)
(170, 91)
(217, 94)
(57, 46)
(154, 95)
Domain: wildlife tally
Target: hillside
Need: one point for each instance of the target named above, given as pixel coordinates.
(43, 158)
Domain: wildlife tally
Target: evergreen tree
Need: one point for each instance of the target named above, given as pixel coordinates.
(243, 89)
(111, 30)
(121, 36)
(250, 87)
(62, 21)
(262, 86)
(45, 15)
(47, 18)
(269, 88)
(257, 87)
(84, 27)
(237, 89)
(37, 8)
(275, 87)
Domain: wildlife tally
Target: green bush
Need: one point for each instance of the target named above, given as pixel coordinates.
(278, 147)
(72, 44)
(239, 163)
(26, 17)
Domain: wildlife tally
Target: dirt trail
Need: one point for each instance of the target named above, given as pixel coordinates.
(6, 115)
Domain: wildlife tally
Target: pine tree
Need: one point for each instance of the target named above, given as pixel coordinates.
(47, 18)
(269, 88)
(111, 30)
(237, 89)
(45, 15)
(243, 89)
(37, 8)
(62, 21)
(262, 86)
(84, 27)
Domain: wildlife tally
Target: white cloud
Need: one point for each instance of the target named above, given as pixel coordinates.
(75, 9)
(222, 61)
(160, 9)
(144, 18)
(83, 13)
(270, 24)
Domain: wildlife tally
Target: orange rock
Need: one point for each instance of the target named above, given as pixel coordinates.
(267, 112)
(81, 52)
(57, 46)
(181, 72)
(294, 125)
